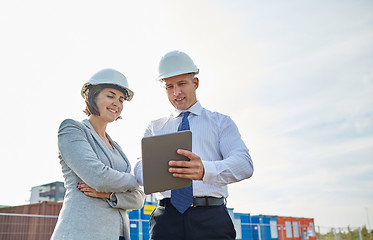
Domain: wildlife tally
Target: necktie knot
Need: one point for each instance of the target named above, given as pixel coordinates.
(184, 114)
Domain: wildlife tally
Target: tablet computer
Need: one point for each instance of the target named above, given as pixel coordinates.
(157, 151)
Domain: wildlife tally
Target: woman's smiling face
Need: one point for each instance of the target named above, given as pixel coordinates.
(110, 104)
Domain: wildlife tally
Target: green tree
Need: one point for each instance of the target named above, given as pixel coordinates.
(350, 234)
(366, 234)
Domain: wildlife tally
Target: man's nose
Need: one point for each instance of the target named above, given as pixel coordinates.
(176, 91)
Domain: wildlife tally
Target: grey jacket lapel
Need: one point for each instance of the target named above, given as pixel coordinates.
(103, 146)
(98, 140)
(121, 153)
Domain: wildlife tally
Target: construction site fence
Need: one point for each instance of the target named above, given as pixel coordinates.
(14, 226)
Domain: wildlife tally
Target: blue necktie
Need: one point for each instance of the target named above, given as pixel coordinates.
(182, 198)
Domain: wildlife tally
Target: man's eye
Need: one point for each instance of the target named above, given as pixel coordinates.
(169, 87)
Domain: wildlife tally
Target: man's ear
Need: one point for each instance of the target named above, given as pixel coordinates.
(196, 82)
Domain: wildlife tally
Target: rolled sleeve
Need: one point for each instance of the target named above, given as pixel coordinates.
(127, 200)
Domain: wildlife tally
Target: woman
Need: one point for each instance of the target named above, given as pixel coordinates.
(99, 186)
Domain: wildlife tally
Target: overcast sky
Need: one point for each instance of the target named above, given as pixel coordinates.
(295, 76)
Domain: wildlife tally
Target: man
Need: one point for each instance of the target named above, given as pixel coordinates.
(219, 158)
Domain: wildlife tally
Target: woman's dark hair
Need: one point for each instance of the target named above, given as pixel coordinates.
(91, 94)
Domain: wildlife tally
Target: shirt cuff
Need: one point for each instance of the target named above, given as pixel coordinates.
(210, 174)
(138, 173)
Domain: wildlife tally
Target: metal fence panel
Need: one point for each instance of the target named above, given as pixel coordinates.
(26, 226)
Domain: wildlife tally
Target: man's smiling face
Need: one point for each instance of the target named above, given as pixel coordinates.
(181, 90)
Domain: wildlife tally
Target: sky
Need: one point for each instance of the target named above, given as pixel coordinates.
(295, 76)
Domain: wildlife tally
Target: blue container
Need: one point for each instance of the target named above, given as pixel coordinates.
(139, 221)
(145, 230)
(242, 224)
(264, 227)
(134, 229)
(134, 214)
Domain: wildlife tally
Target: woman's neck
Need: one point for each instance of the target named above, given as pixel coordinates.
(98, 126)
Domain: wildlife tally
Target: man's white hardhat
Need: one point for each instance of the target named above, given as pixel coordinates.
(176, 63)
(109, 76)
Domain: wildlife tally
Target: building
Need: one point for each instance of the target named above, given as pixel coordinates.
(51, 192)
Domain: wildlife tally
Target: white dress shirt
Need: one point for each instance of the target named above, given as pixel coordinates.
(217, 141)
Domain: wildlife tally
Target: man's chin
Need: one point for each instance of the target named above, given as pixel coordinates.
(179, 107)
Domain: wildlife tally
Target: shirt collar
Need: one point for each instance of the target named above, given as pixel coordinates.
(195, 109)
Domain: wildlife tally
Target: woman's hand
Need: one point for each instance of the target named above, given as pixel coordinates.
(88, 191)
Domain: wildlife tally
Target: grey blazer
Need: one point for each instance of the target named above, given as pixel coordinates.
(85, 157)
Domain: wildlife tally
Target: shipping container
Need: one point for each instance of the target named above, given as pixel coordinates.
(285, 230)
(264, 227)
(308, 229)
(139, 221)
(296, 226)
(242, 224)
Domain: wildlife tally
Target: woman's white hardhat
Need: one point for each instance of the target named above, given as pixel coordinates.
(109, 76)
(176, 63)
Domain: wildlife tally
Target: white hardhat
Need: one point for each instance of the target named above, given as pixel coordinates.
(109, 76)
(176, 63)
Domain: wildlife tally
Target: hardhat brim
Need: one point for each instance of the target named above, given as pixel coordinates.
(86, 85)
(176, 73)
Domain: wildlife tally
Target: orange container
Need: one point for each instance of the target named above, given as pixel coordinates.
(285, 230)
(296, 227)
(308, 228)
